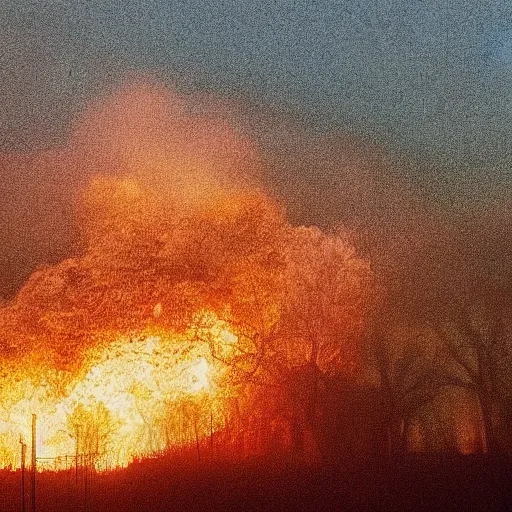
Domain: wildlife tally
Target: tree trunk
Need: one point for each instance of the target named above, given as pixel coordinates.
(397, 438)
(488, 424)
(297, 438)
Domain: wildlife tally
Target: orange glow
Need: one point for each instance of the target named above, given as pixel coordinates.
(146, 340)
(121, 401)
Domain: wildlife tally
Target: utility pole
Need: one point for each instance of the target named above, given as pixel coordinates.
(34, 438)
(23, 455)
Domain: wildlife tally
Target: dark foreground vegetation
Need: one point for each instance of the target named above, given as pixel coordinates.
(416, 484)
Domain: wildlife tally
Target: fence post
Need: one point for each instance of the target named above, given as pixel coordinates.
(23, 455)
(211, 433)
(197, 440)
(34, 461)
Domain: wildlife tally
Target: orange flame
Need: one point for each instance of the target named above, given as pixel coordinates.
(119, 403)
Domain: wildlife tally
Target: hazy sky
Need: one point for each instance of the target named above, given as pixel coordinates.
(431, 75)
(430, 81)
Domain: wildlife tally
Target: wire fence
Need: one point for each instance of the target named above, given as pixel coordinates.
(103, 462)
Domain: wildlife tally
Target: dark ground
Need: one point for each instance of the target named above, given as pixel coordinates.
(423, 484)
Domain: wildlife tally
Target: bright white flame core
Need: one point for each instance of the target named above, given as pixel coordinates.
(124, 403)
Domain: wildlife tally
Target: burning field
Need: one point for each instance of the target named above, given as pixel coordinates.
(188, 305)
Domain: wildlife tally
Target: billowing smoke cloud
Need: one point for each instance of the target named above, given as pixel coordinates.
(169, 209)
(188, 149)
(183, 148)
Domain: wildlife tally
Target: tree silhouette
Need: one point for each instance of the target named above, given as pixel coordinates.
(407, 368)
(92, 429)
(477, 349)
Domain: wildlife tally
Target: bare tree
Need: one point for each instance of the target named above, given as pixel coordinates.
(409, 380)
(92, 429)
(477, 348)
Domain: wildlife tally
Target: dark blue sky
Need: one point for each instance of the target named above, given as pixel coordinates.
(430, 77)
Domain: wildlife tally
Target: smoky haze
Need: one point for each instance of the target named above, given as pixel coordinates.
(191, 146)
(142, 130)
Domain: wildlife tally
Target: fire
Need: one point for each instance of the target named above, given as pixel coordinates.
(139, 344)
(123, 402)
(188, 289)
